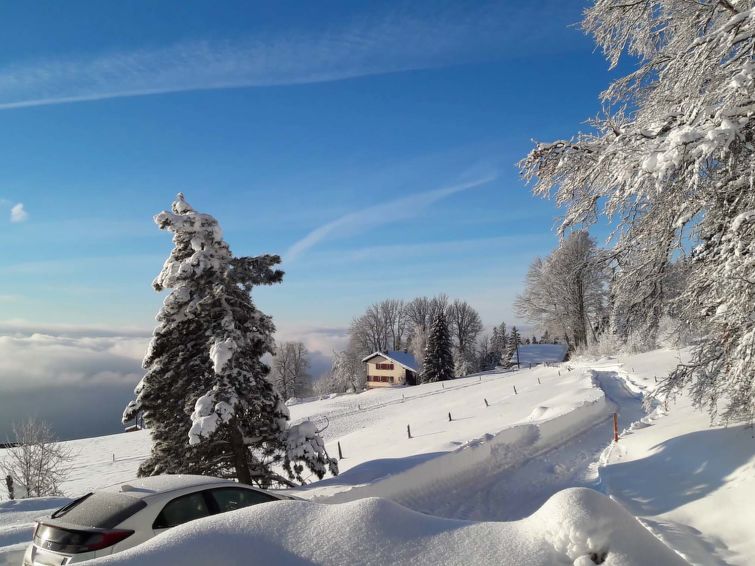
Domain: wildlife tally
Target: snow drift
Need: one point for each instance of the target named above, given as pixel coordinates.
(576, 526)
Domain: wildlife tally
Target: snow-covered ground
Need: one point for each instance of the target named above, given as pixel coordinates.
(691, 485)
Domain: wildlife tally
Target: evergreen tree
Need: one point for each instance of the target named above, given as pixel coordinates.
(206, 395)
(509, 357)
(546, 337)
(498, 344)
(439, 361)
(515, 337)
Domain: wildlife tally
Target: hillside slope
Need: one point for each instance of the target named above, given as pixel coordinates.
(542, 430)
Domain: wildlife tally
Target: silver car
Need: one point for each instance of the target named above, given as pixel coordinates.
(127, 514)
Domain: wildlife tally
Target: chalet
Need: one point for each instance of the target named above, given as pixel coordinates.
(391, 369)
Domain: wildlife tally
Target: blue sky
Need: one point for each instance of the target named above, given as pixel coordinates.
(371, 144)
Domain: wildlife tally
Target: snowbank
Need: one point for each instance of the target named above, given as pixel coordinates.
(570, 528)
(691, 483)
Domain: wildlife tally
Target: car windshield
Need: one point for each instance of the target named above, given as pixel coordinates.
(101, 510)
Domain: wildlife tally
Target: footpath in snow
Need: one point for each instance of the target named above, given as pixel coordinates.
(558, 454)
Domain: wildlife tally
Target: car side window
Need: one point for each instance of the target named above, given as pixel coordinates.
(181, 510)
(232, 498)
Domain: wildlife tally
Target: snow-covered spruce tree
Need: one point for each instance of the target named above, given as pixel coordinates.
(509, 357)
(206, 396)
(671, 163)
(438, 364)
(499, 344)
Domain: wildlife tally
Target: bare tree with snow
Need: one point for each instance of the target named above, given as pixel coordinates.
(464, 324)
(348, 372)
(290, 373)
(565, 293)
(37, 464)
(670, 163)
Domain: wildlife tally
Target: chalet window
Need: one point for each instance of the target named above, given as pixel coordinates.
(384, 366)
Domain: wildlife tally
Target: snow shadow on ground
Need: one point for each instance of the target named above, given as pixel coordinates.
(686, 467)
(374, 470)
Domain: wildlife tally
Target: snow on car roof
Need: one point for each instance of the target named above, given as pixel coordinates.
(143, 487)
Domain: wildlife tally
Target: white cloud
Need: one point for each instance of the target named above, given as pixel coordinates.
(18, 327)
(378, 215)
(18, 213)
(79, 384)
(323, 339)
(381, 43)
(38, 361)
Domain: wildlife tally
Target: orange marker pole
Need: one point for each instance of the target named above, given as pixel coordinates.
(615, 427)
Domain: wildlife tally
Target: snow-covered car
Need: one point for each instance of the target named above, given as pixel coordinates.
(127, 514)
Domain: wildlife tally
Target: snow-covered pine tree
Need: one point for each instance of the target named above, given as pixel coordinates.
(514, 340)
(499, 343)
(206, 396)
(439, 361)
(672, 165)
(515, 337)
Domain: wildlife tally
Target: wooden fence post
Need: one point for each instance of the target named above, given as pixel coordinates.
(449, 416)
(408, 431)
(515, 393)
(340, 453)
(615, 427)
(486, 403)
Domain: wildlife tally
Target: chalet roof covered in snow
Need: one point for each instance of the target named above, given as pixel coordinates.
(404, 359)
(540, 353)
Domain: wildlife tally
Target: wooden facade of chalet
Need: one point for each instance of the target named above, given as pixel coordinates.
(390, 369)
